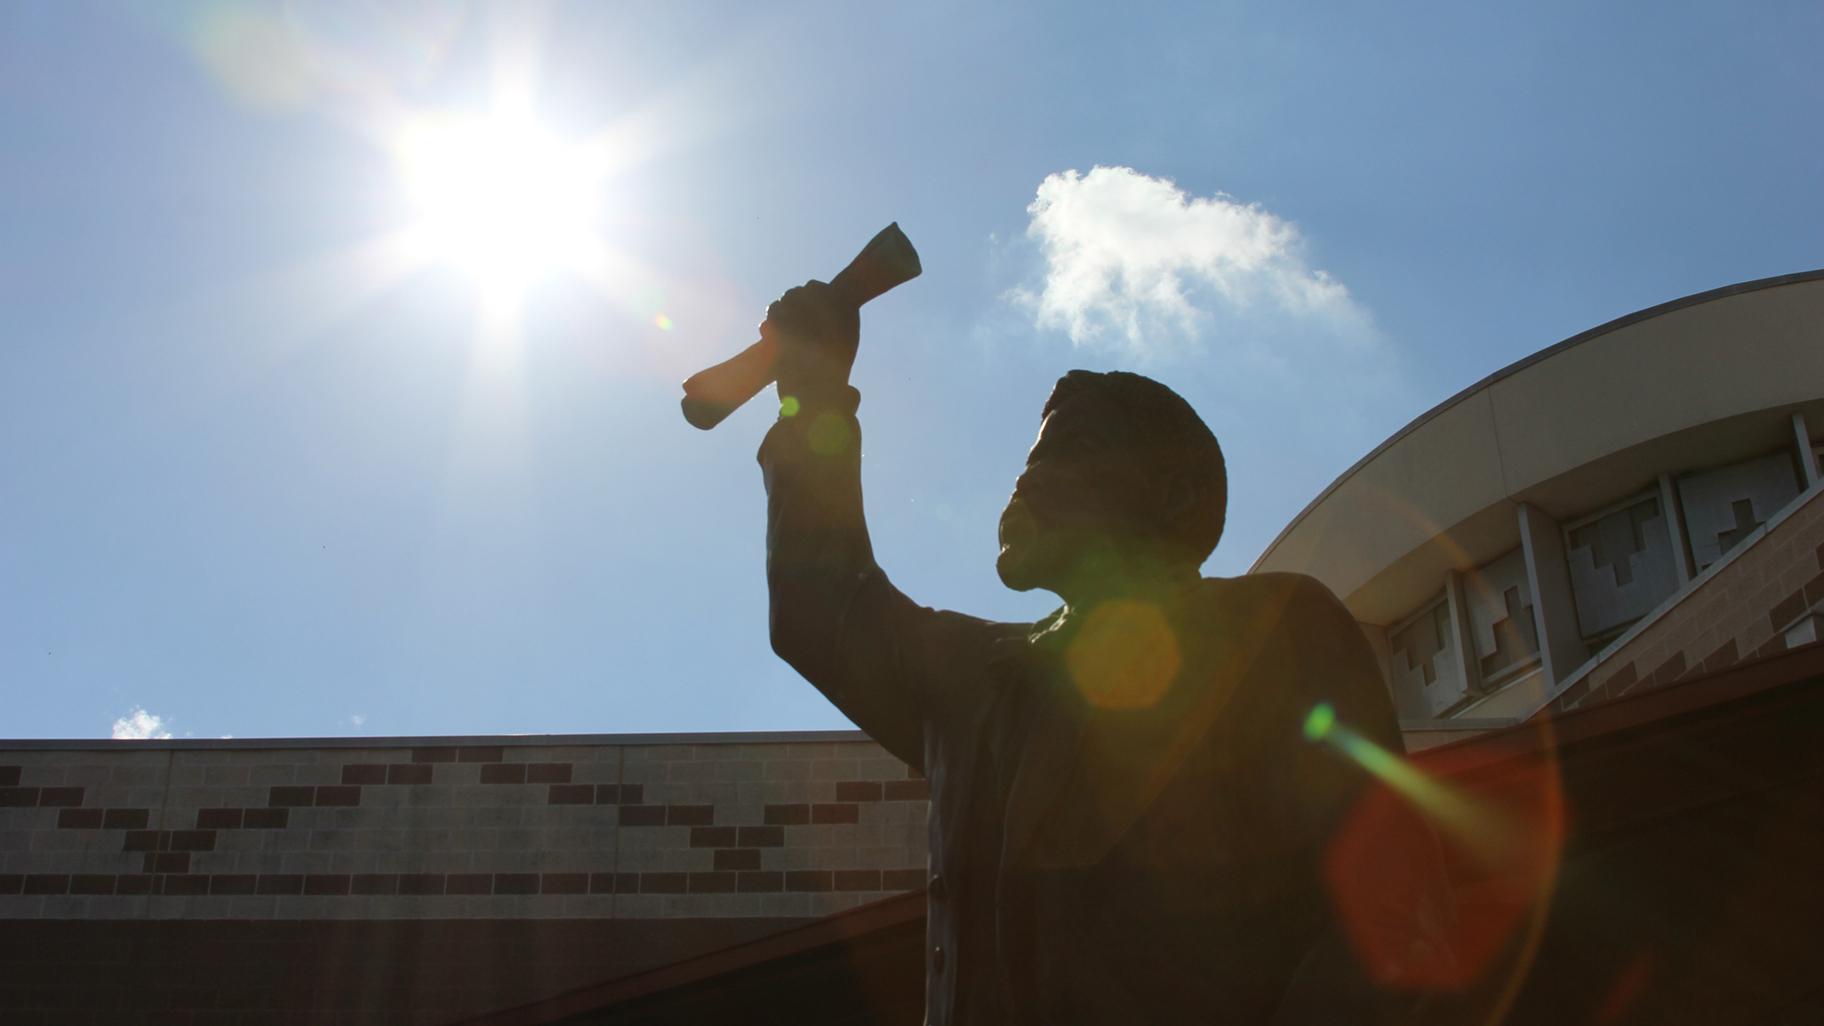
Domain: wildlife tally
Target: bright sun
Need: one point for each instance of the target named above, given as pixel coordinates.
(498, 196)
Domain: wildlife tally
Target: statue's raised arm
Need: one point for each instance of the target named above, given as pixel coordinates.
(884, 660)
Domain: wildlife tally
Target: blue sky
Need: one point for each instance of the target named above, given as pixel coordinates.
(262, 474)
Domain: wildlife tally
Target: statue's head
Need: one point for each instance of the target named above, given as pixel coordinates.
(1123, 474)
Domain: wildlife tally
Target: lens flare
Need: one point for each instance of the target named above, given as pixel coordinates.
(1442, 883)
(661, 322)
(1125, 656)
(1477, 827)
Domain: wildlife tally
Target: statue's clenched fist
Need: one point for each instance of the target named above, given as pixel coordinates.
(817, 332)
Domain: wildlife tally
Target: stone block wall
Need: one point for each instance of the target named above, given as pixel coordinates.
(1739, 611)
(781, 826)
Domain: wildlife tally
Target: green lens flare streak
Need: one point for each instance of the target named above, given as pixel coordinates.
(1483, 831)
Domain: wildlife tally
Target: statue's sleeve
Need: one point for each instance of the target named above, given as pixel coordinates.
(897, 669)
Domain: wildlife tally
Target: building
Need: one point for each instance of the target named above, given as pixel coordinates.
(1596, 584)
(1604, 516)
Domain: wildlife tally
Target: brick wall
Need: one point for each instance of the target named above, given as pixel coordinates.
(1738, 611)
(498, 829)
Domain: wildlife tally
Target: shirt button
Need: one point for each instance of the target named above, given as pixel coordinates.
(938, 890)
(937, 959)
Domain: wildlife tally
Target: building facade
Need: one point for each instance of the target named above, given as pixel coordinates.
(1615, 512)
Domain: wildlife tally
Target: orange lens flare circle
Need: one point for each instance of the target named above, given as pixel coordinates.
(1125, 656)
(1496, 837)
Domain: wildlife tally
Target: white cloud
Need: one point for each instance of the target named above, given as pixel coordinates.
(357, 720)
(140, 725)
(1133, 262)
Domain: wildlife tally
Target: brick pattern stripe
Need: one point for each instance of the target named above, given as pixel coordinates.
(704, 829)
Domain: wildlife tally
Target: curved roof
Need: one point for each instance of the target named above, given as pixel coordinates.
(1570, 428)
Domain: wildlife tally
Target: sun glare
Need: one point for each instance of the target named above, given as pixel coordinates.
(498, 196)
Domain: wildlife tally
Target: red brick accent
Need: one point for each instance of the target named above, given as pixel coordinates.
(564, 883)
(9, 776)
(690, 815)
(167, 862)
(570, 794)
(79, 819)
(469, 883)
(338, 796)
(548, 773)
(606, 794)
(601, 883)
(408, 773)
(18, 797)
(234, 883)
(373, 883)
(632, 794)
(786, 815)
(46, 883)
(858, 791)
(283, 883)
(183, 885)
(266, 819)
(135, 883)
(1624, 677)
(364, 773)
(92, 883)
(735, 859)
(664, 883)
(282, 797)
(816, 880)
(219, 819)
(515, 883)
(420, 883)
(125, 819)
(142, 840)
(326, 883)
(490, 753)
(857, 879)
(433, 755)
(712, 883)
(712, 837)
(835, 813)
(1725, 655)
(59, 797)
(642, 815)
(763, 882)
(1814, 590)
(917, 790)
(11, 883)
(504, 773)
(192, 840)
(1787, 610)
(1668, 671)
(902, 879)
(761, 837)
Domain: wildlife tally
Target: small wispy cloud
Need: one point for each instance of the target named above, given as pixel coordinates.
(140, 725)
(357, 720)
(1133, 262)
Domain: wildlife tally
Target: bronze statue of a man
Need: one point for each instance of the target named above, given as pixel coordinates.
(1126, 823)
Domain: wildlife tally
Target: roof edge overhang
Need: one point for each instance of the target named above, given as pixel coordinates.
(1626, 320)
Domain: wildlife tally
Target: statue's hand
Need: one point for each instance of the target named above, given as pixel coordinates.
(817, 333)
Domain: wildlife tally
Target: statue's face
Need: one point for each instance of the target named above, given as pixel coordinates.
(1066, 504)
